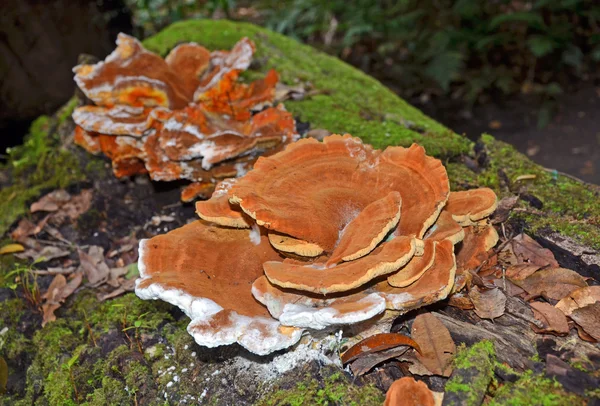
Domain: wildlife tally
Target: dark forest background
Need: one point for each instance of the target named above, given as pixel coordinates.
(525, 71)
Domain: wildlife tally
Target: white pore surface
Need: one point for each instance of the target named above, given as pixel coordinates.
(300, 315)
(259, 335)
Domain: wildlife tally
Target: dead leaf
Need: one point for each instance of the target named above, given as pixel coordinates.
(437, 346)
(581, 333)
(284, 92)
(74, 208)
(415, 367)
(377, 342)
(459, 300)
(127, 286)
(3, 375)
(93, 266)
(47, 253)
(525, 177)
(503, 210)
(588, 318)
(58, 291)
(579, 298)
(25, 228)
(56, 271)
(51, 202)
(529, 251)
(489, 304)
(11, 249)
(554, 321)
(367, 362)
(521, 271)
(554, 283)
(408, 392)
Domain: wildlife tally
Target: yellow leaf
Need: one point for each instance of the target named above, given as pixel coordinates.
(11, 249)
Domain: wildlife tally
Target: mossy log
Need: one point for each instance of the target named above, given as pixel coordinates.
(127, 351)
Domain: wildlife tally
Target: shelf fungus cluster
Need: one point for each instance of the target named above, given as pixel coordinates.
(183, 117)
(320, 234)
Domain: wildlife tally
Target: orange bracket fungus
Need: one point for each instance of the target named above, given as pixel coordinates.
(319, 234)
(183, 117)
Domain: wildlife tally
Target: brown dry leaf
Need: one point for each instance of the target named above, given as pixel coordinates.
(93, 266)
(588, 318)
(555, 322)
(11, 249)
(489, 303)
(415, 367)
(460, 301)
(554, 283)
(57, 292)
(51, 202)
(127, 286)
(377, 342)
(75, 207)
(521, 271)
(47, 253)
(503, 210)
(437, 346)
(529, 251)
(365, 363)
(25, 228)
(408, 392)
(579, 298)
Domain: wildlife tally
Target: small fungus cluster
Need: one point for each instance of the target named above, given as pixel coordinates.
(183, 117)
(320, 234)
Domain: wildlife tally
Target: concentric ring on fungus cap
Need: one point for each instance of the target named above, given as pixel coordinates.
(333, 181)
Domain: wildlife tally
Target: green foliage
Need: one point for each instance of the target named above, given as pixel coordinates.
(474, 46)
(463, 47)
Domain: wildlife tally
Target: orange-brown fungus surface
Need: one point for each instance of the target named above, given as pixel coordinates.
(317, 234)
(351, 176)
(434, 285)
(345, 276)
(471, 205)
(192, 118)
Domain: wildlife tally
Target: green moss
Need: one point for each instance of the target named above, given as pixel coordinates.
(37, 165)
(477, 363)
(349, 101)
(470, 357)
(122, 312)
(532, 389)
(336, 389)
(456, 385)
(569, 207)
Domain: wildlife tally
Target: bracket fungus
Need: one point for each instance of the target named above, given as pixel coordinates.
(183, 117)
(319, 234)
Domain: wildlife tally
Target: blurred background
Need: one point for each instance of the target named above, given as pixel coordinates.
(523, 71)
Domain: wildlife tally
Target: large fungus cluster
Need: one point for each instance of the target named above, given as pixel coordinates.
(317, 235)
(183, 117)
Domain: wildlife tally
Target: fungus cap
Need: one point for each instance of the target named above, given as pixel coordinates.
(470, 206)
(318, 278)
(215, 292)
(434, 285)
(320, 209)
(297, 309)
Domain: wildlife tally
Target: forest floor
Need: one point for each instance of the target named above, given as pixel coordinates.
(569, 143)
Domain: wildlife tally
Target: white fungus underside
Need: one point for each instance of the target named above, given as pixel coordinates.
(247, 331)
